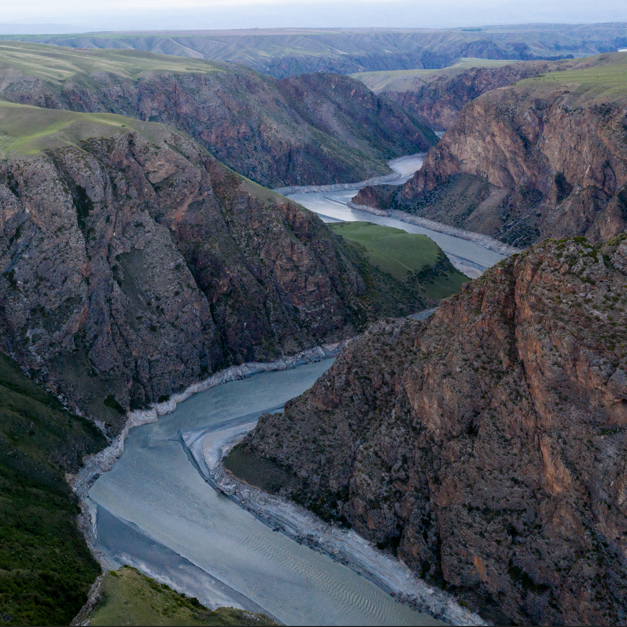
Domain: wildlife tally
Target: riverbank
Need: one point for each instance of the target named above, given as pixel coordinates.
(103, 461)
(209, 448)
(483, 240)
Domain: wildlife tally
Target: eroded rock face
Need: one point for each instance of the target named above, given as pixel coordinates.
(275, 132)
(439, 100)
(131, 270)
(487, 444)
(552, 161)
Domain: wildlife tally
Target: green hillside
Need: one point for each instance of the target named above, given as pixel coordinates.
(601, 77)
(130, 598)
(57, 65)
(46, 569)
(405, 256)
(28, 130)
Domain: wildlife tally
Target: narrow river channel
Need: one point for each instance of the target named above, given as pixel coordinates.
(157, 511)
(331, 204)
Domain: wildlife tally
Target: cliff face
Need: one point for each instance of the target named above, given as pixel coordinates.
(486, 445)
(438, 100)
(544, 158)
(133, 266)
(277, 133)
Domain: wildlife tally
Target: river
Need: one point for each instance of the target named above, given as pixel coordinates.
(331, 204)
(158, 509)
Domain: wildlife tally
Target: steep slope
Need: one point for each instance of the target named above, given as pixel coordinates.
(134, 264)
(308, 131)
(486, 445)
(438, 97)
(543, 158)
(289, 52)
(46, 569)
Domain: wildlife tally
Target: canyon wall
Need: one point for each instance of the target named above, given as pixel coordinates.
(487, 445)
(135, 265)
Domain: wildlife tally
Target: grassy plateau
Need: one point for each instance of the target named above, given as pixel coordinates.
(402, 80)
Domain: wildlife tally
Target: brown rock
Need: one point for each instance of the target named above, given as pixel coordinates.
(486, 445)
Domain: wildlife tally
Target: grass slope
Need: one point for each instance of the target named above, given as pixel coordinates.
(58, 65)
(130, 598)
(405, 256)
(28, 130)
(402, 80)
(46, 569)
(603, 77)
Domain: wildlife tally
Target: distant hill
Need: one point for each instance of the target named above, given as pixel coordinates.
(290, 52)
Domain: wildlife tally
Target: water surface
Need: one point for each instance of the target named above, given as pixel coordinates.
(155, 511)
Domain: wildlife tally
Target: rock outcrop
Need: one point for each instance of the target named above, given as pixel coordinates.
(134, 265)
(543, 158)
(305, 131)
(487, 445)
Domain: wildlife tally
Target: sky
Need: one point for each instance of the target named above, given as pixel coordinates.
(93, 15)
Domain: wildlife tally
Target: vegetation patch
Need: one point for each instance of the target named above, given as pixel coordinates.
(46, 569)
(129, 598)
(407, 257)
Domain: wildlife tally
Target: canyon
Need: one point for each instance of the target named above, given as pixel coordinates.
(307, 130)
(542, 158)
(134, 264)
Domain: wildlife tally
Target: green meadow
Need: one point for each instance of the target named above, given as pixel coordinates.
(28, 130)
(404, 256)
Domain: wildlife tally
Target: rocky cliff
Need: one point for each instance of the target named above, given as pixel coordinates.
(307, 131)
(487, 445)
(437, 99)
(133, 264)
(543, 158)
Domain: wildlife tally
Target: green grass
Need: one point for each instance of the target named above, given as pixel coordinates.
(28, 130)
(57, 65)
(130, 598)
(603, 77)
(404, 256)
(46, 569)
(400, 80)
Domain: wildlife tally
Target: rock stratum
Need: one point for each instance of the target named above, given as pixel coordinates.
(133, 264)
(309, 130)
(543, 158)
(486, 445)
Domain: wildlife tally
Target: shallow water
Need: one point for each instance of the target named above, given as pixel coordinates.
(155, 511)
(331, 206)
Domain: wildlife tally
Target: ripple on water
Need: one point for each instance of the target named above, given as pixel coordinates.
(156, 488)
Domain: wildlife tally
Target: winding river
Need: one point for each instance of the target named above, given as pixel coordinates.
(158, 510)
(331, 204)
